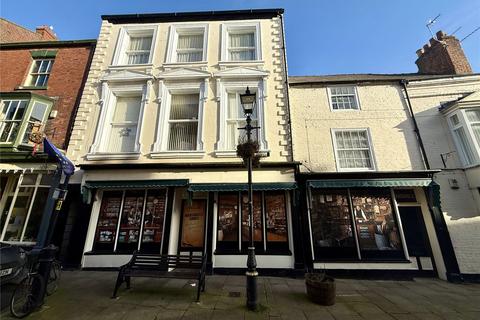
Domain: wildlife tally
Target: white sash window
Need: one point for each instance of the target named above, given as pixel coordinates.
(187, 44)
(139, 50)
(241, 46)
(135, 45)
(124, 125)
(11, 117)
(235, 120)
(353, 149)
(241, 42)
(183, 122)
(190, 47)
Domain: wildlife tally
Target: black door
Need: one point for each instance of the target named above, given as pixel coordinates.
(415, 231)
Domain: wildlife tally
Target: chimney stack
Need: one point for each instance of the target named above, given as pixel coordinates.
(46, 32)
(443, 55)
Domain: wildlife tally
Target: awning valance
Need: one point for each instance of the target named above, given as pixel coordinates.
(206, 187)
(348, 183)
(128, 184)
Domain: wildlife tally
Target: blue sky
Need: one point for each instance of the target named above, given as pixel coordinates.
(323, 37)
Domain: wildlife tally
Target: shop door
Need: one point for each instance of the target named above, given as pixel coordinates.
(192, 233)
(415, 231)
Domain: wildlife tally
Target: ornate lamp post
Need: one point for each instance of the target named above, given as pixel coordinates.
(248, 101)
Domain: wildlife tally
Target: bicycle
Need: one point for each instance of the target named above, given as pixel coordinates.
(54, 278)
(27, 295)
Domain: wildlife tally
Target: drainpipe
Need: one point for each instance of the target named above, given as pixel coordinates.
(404, 83)
(432, 193)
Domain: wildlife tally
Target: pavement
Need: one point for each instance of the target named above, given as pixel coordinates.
(86, 295)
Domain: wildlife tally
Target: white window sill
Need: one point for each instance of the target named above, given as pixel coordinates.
(241, 63)
(131, 66)
(356, 169)
(233, 153)
(177, 154)
(113, 156)
(185, 64)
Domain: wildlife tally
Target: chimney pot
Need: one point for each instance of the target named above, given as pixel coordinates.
(426, 47)
(432, 42)
(419, 52)
(441, 35)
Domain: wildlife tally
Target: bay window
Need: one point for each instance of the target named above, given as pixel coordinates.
(131, 220)
(465, 127)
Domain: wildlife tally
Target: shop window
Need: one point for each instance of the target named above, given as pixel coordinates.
(141, 214)
(372, 222)
(269, 222)
(332, 225)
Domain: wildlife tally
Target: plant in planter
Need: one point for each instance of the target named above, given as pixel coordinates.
(249, 149)
(320, 288)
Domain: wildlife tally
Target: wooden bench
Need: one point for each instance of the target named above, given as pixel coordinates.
(163, 266)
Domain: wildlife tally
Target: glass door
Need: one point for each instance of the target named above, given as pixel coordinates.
(193, 225)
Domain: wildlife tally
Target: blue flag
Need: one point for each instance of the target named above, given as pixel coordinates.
(67, 165)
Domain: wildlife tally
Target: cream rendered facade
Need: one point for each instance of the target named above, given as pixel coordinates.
(434, 102)
(381, 111)
(210, 161)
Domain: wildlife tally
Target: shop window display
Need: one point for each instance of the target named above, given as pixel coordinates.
(257, 218)
(107, 220)
(227, 225)
(153, 221)
(129, 232)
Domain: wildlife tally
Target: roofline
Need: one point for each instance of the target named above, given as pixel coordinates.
(48, 44)
(394, 78)
(194, 16)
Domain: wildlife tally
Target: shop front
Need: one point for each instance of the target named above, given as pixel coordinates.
(191, 215)
(371, 224)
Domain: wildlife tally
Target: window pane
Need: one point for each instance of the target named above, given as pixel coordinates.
(242, 40)
(464, 145)
(191, 41)
(19, 214)
(107, 220)
(227, 226)
(331, 219)
(182, 136)
(473, 115)
(139, 50)
(129, 232)
(376, 226)
(36, 214)
(476, 132)
(153, 220)
(353, 150)
(257, 217)
(276, 217)
(184, 106)
(124, 125)
(454, 119)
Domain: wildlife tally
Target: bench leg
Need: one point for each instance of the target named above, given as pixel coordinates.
(198, 290)
(203, 284)
(118, 283)
(127, 280)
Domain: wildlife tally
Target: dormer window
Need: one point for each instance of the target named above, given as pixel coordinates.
(135, 46)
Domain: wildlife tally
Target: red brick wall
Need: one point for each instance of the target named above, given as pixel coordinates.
(66, 79)
(12, 32)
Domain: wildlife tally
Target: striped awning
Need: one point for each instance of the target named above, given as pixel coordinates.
(349, 183)
(206, 187)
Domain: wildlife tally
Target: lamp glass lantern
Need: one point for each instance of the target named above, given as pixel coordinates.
(248, 101)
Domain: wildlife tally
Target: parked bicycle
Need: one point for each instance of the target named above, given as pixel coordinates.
(29, 293)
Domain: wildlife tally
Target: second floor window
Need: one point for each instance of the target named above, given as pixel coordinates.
(353, 150)
(241, 46)
(343, 98)
(40, 72)
(35, 120)
(11, 119)
(190, 47)
(183, 122)
(123, 127)
(139, 49)
(465, 126)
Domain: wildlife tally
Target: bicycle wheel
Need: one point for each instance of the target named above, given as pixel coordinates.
(25, 297)
(54, 278)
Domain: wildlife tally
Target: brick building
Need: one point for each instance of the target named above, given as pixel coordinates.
(41, 81)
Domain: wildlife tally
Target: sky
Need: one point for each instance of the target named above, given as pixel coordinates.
(323, 37)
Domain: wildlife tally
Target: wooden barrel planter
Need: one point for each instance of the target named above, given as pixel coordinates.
(320, 288)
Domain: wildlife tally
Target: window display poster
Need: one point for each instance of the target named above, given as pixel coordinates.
(108, 217)
(376, 226)
(227, 226)
(131, 217)
(276, 217)
(154, 216)
(193, 224)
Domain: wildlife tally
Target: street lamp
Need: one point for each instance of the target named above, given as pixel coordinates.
(248, 101)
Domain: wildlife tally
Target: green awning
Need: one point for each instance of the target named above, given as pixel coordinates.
(206, 187)
(128, 184)
(348, 183)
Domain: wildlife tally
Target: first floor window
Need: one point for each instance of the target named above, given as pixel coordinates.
(35, 120)
(353, 150)
(235, 120)
(123, 126)
(130, 220)
(343, 218)
(40, 72)
(465, 126)
(21, 222)
(11, 117)
(183, 122)
(269, 221)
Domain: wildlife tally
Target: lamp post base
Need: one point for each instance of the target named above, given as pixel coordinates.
(251, 279)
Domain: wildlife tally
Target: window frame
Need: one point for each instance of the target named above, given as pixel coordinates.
(355, 94)
(31, 99)
(465, 124)
(223, 88)
(166, 89)
(239, 27)
(181, 29)
(123, 42)
(31, 74)
(370, 149)
(98, 149)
